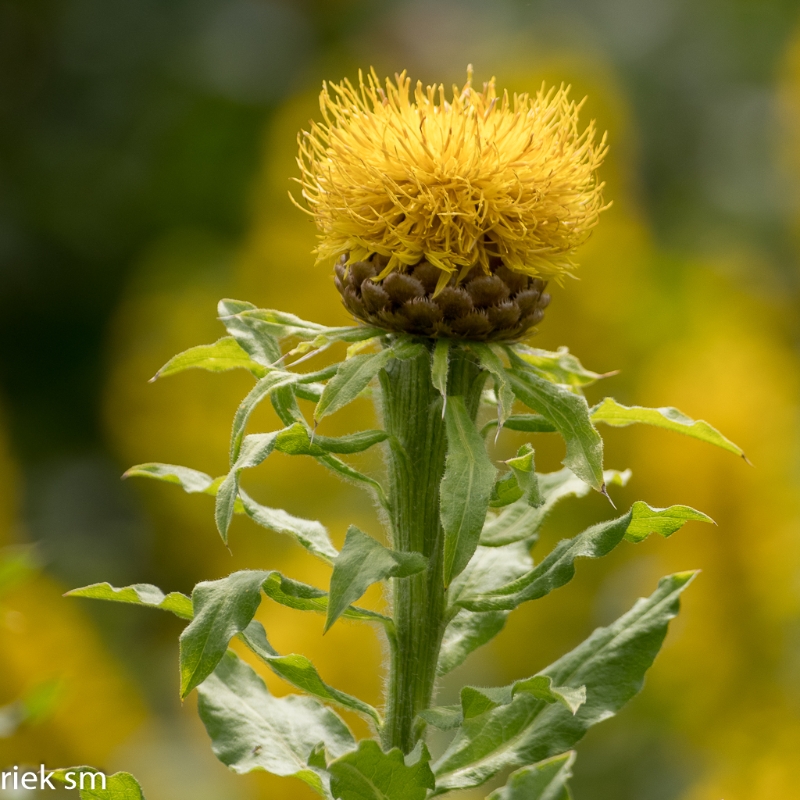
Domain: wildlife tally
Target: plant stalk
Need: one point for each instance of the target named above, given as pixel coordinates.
(412, 415)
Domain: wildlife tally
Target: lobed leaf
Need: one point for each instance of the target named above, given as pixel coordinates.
(611, 664)
(569, 413)
(309, 533)
(610, 412)
(370, 774)
(252, 730)
(546, 780)
(558, 568)
(362, 562)
(138, 594)
(300, 672)
(225, 354)
(465, 490)
(520, 521)
(559, 366)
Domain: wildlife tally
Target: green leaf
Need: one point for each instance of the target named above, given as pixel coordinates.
(475, 700)
(303, 597)
(520, 521)
(222, 609)
(489, 569)
(352, 377)
(492, 363)
(558, 567)
(445, 718)
(225, 354)
(546, 780)
(277, 379)
(255, 449)
(558, 367)
(296, 441)
(138, 594)
(252, 730)
(300, 672)
(611, 664)
(610, 412)
(370, 774)
(90, 782)
(465, 489)
(309, 533)
(505, 491)
(352, 475)
(251, 333)
(523, 468)
(362, 562)
(440, 368)
(281, 324)
(664, 521)
(525, 423)
(570, 414)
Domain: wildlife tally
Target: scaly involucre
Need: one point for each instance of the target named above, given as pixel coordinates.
(454, 181)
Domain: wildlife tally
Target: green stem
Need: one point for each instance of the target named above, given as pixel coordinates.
(412, 412)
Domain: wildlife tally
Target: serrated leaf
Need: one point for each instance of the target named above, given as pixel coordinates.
(440, 368)
(519, 521)
(119, 786)
(664, 521)
(309, 533)
(251, 334)
(362, 562)
(300, 672)
(558, 567)
(222, 609)
(546, 780)
(352, 377)
(303, 597)
(138, 594)
(611, 664)
(252, 730)
(559, 366)
(569, 413)
(493, 364)
(465, 489)
(490, 568)
(610, 412)
(225, 354)
(370, 774)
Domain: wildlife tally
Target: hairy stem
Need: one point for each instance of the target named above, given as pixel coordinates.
(412, 411)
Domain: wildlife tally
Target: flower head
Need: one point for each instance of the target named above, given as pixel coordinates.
(458, 182)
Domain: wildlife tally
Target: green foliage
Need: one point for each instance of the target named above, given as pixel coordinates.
(119, 786)
(469, 571)
(362, 562)
(370, 774)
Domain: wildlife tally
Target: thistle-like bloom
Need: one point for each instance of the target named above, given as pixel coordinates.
(470, 181)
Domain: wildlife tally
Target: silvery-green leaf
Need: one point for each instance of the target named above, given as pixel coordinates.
(309, 533)
(362, 562)
(440, 368)
(610, 412)
(490, 568)
(253, 336)
(611, 664)
(520, 521)
(558, 367)
(570, 414)
(465, 489)
(222, 609)
(546, 780)
(493, 364)
(225, 354)
(664, 521)
(252, 730)
(352, 377)
(300, 672)
(370, 774)
(138, 594)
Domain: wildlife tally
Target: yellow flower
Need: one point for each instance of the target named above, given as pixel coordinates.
(456, 182)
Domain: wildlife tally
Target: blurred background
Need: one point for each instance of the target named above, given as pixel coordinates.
(146, 155)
